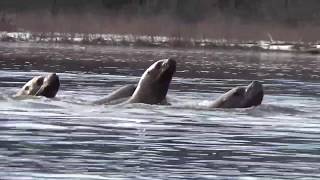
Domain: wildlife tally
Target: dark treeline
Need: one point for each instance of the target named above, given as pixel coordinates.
(210, 18)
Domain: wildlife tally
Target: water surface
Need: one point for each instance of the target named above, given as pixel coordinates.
(68, 138)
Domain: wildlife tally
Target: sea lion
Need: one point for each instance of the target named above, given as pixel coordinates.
(118, 96)
(46, 86)
(154, 83)
(240, 97)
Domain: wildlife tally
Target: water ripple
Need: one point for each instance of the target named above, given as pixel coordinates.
(68, 138)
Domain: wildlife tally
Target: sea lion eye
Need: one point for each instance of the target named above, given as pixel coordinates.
(26, 88)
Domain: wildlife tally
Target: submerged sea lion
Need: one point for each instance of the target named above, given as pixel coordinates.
(46, 86)
(154, 83)
(240, 97)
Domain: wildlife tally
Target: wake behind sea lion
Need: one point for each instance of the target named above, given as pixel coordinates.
(46, 86)
(240, 97)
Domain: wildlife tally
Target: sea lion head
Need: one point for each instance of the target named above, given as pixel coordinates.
(46, 86)
(241, 97)
(154, 83)
(253, 94)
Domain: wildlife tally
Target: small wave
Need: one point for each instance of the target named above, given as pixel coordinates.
(33, 102)
(270, 108)
(35, 126)
(23, 175)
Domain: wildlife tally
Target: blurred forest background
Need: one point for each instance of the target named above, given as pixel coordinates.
(294, 20)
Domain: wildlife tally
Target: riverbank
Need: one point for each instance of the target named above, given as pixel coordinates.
(159, 41)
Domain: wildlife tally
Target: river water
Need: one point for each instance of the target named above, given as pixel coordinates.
(68, 138)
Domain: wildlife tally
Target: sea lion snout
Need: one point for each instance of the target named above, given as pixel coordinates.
(52, 75)
(169, 64)
(254, 94)
(254, 86)
(50, 86)
(52, 78)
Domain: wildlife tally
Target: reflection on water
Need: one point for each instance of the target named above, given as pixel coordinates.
(67, 138)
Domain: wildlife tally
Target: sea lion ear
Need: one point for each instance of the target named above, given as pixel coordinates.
(39, 81)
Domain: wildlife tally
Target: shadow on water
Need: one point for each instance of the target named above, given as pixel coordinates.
(67, 137)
